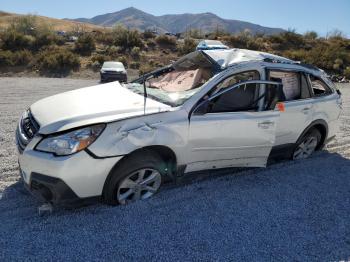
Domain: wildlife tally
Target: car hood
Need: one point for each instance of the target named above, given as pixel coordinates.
(91, 105)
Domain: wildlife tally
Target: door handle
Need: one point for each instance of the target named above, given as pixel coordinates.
(266, 124)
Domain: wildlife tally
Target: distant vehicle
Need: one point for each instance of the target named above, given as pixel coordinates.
(72, 38)
(210, 109)
(211, 45)
(61, 33)
(171, 34)
(113, 71)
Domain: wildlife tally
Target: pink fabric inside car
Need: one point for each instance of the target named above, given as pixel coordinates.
(177, 81)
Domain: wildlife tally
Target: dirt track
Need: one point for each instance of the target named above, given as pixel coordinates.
(289, 211)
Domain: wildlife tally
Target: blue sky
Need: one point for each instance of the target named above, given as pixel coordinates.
(302, 15)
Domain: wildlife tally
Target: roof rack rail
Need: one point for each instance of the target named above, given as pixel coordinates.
(277, 61)
(309, 66)
(269, 60)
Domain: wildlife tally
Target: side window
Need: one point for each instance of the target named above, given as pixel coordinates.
(242, 98)
(319, 88)
(295, 84)
(236, 78)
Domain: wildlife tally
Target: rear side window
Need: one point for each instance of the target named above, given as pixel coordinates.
(319, 88)
(295, 84)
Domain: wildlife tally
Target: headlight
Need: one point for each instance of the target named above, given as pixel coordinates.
(71, 142)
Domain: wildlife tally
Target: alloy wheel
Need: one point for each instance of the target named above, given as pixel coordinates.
(305, 148)
(139, 185)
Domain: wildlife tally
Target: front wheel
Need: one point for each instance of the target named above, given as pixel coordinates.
(307, 145)
(137, 178)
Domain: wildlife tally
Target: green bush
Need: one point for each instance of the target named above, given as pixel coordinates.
(100, 59)
(347, 72)
(113, 50)
(148, 34)
(127, 39)
(136, 52)
(22, 58)
(13, 40)
(85, 45)
(135, 65)
(288, 40)
(6, 58)
(25, 25)
(166, 41)
(106, 38)
(57, 61)
(95, 66)
(188, 46)
(311, 35)
(123, 60)
(18, 58)
(44, 39)
(151, 44)
(194, 33)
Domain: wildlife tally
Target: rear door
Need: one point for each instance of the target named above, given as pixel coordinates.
(298, 103)
(232, 128)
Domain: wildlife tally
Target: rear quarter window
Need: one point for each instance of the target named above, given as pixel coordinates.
(319, 87)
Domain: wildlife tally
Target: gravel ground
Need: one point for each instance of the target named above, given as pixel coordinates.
(288, 211)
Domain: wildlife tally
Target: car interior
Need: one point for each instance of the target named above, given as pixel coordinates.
(188, 73)
(295, 84)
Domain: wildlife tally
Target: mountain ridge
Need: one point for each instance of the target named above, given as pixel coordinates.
(176, 23)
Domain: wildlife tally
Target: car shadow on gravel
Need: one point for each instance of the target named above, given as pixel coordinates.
(287, 211)
(17, 193)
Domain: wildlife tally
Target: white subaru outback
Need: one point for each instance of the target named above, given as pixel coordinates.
(209, 110)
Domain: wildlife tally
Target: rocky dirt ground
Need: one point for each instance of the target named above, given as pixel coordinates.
(288, 211)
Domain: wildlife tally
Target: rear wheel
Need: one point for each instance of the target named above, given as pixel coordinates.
(137, 178)
(307, 145)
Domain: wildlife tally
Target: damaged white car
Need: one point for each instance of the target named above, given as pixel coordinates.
(211, 109)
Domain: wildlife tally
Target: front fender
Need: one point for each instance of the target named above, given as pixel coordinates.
(165, 129)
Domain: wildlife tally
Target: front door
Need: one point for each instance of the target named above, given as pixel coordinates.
(233, 128)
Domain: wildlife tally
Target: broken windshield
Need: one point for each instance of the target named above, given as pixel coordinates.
(175, 84)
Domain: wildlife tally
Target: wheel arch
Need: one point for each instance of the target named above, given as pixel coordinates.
(163, 152)
(322, 126)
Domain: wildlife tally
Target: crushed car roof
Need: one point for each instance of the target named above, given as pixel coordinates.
(226, 58)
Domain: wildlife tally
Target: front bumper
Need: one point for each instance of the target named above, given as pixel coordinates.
(64, 179)
(113, 77)
(51, 189)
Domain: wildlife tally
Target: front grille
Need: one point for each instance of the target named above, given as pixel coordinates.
(114, 72)
(27, 128)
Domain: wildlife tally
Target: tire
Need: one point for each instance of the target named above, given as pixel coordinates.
(138, 177)
(307, 145)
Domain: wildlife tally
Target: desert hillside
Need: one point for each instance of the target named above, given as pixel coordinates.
(56, 24)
